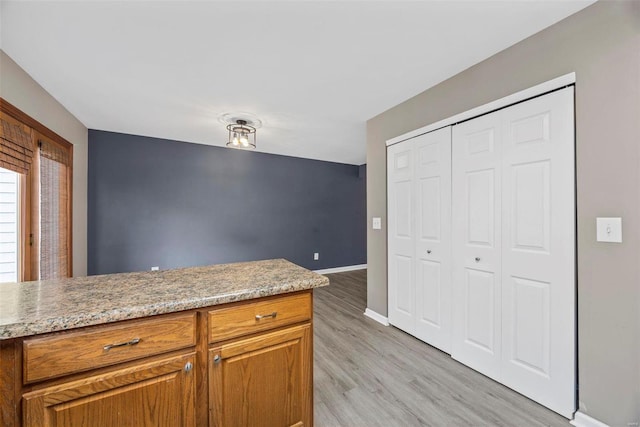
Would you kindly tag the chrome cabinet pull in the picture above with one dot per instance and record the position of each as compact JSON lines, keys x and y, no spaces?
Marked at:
{"x":122,"y":344}
{"x":428,"y":251}
{"x":188,"y":367}
{"x":216,"y":359}
{"x":264,"y":316}
{"x":477,"y":259}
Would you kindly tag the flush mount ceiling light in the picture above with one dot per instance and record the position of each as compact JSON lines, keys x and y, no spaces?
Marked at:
{"x":241,"y":135}
{"x":242,"y":127}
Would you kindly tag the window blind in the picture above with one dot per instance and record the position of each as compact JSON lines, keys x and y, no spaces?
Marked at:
{"x":54,"y":163}
{"x":16,"y":145}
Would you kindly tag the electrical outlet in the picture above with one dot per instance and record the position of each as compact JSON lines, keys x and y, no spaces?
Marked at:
{"x":316,"y":256}
{"x":377,"y":223}
{"x":156,"y":268}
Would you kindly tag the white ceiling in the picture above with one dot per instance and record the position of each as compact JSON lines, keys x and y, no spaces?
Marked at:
{"x":312,"y":71}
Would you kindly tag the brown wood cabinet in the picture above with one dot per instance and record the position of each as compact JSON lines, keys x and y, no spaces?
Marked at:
{"x":262,"y":381}
{"x":260,"y":363}
{"x":150,"y":394}
{"x":248,"y":363}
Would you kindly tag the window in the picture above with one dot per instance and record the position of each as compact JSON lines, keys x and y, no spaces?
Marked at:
{"x":35,"y":199}
{"x":9,"y":230}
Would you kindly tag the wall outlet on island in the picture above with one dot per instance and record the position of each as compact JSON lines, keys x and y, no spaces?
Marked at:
{"x":155,"y":268}
{"x":316,"y":256}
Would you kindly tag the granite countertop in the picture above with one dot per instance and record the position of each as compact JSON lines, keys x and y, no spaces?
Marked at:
{"x":31,"y":308}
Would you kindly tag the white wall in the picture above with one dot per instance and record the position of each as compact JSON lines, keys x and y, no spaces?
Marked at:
{"x":19,"y":89}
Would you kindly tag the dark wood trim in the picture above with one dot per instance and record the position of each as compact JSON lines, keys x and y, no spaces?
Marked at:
{"x":27,"y":272}
{"x":33,"y":177}
{"x":311,"y":340}
{"x":18,"y":114}
{"x":10,"y":384}
{"x":202,"y":368}
{"x":70,"y":213}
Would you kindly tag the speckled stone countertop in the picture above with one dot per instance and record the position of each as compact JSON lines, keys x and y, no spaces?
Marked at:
{"x":31,"y":308}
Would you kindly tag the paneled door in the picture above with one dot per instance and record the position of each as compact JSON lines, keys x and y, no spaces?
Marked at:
{"x":262,"y":381}
{"x":538,"y":250}
{"x":401,"y":235}
{"x":432,"y":154}
{"x":476,"y":180}
{"x":160,"y":393}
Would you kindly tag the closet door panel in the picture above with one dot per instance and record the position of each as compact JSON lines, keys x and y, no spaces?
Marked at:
{"x":480,"y":310}
{"x":429,"y":294}
{"x":538,"y":240}
{"x":401,"y":236}
{"x":476,"y":339}
{"x":433,"y":238}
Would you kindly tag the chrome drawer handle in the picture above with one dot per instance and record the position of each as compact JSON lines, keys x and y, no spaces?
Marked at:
{"x":264,"y":316}
{"x":122,"y":344}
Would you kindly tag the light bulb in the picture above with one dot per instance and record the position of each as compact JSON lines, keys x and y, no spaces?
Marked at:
{"x":244,"y":140}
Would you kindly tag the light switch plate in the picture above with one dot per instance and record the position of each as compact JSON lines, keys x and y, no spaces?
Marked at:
{"x":609,"y":230}
{"x":377,"y":223}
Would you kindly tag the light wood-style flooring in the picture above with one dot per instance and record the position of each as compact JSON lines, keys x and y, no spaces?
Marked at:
{"x":369,"y":375}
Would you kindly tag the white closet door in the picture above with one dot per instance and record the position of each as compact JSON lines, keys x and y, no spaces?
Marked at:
{"x":476,"y":244}
{"x":538,"y":246}
{"x":433,"y":238}
{"x":401,"y":236}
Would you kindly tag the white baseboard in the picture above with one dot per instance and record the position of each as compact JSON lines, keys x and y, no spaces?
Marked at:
{"x":376,"y":316}
{"x":341,"y":269}
{"x":580,"y":419}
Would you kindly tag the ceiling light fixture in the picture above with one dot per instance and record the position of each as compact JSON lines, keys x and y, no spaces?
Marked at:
{"x":241,"y":135}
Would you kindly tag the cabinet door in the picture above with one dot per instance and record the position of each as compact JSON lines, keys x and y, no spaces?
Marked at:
{"x":433,"y":238}
{"x":476,"y":242}
{"x":400,"y":211}
{"x":159,"y":393}
{"x":263,"y":381}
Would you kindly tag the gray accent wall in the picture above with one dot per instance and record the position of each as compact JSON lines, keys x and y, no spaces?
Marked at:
{"x":157,"y":202}
{"x":601,"y":44}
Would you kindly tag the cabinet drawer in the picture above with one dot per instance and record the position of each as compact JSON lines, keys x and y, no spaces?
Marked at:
{"x":238,"y":320}
{"x":58,"y":355}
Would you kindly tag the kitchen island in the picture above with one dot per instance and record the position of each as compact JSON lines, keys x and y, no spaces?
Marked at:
{"x":220,"y":345}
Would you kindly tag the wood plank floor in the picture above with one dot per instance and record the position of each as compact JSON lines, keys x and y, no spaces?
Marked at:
{"x":369,"y":375}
